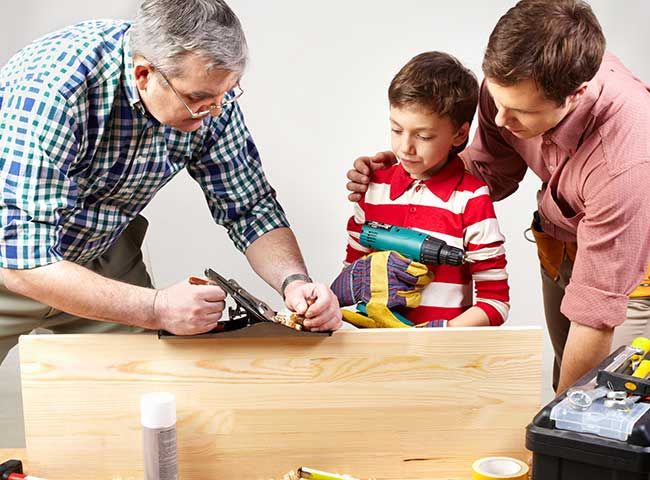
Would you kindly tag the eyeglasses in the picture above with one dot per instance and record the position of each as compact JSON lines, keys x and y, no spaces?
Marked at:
{"x":238,"y":92}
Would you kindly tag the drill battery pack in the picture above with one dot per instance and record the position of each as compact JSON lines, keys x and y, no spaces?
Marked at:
{"x":600,"y":442}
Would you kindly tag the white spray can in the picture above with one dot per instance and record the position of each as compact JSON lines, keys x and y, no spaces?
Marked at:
{"x":158,"y":418}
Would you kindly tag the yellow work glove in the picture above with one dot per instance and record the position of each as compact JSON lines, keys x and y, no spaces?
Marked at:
{"x":382,"y":319}
{"x":392,"y":280}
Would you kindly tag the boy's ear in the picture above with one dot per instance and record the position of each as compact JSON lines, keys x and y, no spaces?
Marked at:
{"x":461,"y":135}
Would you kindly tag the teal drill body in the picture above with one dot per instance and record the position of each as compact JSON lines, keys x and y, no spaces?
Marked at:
{"x":410,"y":243}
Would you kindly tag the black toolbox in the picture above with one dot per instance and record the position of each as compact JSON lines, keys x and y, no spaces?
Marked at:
{"x":560,"y":454}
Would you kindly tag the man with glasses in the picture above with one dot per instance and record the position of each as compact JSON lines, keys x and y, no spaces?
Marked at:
{"x":94,"y":120}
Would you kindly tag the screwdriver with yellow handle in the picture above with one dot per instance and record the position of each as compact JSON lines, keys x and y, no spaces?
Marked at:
{"x":643,"y":370}
{"x":640,"y":366}
{"x":642,"y":343}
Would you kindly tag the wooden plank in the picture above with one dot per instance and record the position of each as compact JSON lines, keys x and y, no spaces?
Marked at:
{"x":389,"y":404}
{"x":13,"y":453}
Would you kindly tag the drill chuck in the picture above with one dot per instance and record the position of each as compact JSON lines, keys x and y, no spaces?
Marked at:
{"x":437,"y":252}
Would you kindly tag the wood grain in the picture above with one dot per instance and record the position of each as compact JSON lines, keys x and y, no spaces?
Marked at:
{"x":388,"y":404}
{"x":13,"y":454}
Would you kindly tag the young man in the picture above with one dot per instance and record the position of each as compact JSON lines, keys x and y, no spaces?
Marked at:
{"x":432,"y":103}
{"x":555,"y":102}
{"x":94,"y":120}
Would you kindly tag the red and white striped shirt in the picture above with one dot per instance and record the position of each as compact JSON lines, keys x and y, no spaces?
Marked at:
{"x":453,"y":206}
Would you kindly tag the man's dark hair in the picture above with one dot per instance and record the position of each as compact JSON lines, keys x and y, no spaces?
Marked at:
{"x":557,"y":43}
{"x":438,"y":82}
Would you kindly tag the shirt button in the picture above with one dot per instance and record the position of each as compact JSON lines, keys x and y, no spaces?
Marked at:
{"x":547,"y":142}
{"x":551,"y":168}
{"x":412,"y":209}
{"x":418,"y":188}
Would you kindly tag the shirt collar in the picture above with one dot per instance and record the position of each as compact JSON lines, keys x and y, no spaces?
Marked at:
{"x":568,"y":132}
{"x":130,"y":87}
{"x":442,"y":184}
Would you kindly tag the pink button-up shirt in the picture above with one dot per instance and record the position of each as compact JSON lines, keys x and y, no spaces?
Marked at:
{"x":595,"y":169}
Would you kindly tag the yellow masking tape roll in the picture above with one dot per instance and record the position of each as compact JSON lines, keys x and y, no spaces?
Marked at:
{"x":490,"y":468}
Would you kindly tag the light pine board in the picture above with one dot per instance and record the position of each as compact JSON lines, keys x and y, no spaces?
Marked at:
{"x":388,"y":404}
{"x":14,"y":453}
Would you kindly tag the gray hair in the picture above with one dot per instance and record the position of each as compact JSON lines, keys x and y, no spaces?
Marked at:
{"x":165,"y":31}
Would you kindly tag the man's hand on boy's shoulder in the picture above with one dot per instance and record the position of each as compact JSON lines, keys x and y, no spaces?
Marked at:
{"x":359,"y":176}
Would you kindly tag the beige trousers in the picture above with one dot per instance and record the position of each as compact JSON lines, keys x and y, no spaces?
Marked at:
{"x":636,"y":325}
{"x":123,"y":261}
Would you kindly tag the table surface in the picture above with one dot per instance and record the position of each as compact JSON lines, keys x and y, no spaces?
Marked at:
{"x":21,"y":454}
{"x":345,"y":388}
{"x":13,"y":454}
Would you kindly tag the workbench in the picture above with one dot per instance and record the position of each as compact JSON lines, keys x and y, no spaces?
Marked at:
{"x":9,"y":453}
{"x":417,"y":404}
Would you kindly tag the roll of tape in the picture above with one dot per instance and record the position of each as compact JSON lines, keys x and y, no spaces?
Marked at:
{"x":489,"y":468}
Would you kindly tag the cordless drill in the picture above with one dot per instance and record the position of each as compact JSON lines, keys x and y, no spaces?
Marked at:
{"x":412,"y":244}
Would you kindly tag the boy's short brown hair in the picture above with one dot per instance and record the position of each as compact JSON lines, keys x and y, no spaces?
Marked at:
{"x":557,"y":43}
{"x":439,"y":82}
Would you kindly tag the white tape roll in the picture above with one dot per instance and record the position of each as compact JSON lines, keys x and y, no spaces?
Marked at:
{"x":490,"y":468}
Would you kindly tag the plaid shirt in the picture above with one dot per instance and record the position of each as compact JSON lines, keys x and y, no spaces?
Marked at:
{"x":80,"y":158}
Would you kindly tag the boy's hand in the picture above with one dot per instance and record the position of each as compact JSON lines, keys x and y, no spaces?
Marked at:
{"x":386,"y":276}
{"x":359,"y":176}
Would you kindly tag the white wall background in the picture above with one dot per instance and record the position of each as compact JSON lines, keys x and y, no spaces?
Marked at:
{"x":315,"y":100}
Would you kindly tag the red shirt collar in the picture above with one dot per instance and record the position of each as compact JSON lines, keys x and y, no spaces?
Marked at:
{"x":442,"y":184}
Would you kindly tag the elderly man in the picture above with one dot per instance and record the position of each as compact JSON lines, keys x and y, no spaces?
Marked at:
{"x":554,"y":101}
{"x":94,"y":120}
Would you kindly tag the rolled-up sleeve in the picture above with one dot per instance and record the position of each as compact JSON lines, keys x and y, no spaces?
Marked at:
{"x":613,"y":246}
{"x":230,"y":173}
{"x":37,"y":146}
{"x":489,"y":157}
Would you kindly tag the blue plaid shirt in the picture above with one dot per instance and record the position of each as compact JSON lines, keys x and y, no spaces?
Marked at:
{"x":79,"y":157}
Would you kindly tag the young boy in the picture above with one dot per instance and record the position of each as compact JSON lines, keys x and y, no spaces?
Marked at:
{"x":433,"y":99}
